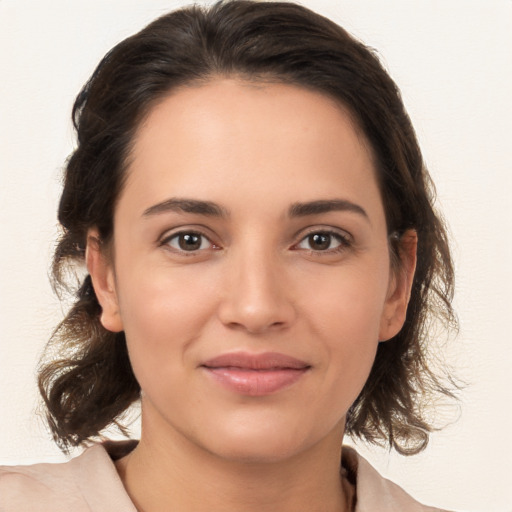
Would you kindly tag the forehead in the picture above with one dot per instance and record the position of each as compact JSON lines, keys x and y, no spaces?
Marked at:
{"x":224,"y":106}
{"x":256,"y":138}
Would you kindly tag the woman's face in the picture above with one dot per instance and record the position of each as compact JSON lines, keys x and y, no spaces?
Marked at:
{"x":250,"y":269}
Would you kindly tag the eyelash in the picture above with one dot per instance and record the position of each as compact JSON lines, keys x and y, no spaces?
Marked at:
{"x":166,"y":242}
{"x":345,"y":242}
{"x":344,"y":239}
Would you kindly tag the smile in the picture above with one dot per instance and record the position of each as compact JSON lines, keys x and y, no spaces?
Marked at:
{"x":255,"y":374}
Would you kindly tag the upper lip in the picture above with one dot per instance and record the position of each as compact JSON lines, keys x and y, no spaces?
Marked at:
{"x":264,"y":361}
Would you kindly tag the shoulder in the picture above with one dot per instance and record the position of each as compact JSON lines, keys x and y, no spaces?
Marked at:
{"x":38,"y":486}
{"x":376,"y":493}
{"x":87,"y":483}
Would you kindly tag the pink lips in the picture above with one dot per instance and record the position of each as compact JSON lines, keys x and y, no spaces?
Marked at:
{"x":255,"y":374}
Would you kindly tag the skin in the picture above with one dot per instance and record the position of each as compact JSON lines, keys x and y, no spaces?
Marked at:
{"x":258,"y":282}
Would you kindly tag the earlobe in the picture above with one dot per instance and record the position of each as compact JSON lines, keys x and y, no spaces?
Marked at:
{"x":399,"y":292}
{"x":102,"y":274}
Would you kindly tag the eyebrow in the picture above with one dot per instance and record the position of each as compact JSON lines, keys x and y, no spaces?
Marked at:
{"x":212,"y":209}
{"x":187,"y":206}
{"x":325,"y":206}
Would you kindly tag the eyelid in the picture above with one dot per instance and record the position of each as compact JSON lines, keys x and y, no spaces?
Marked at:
{"x":345,"y":238}
{"x":330,"y":230}
{"x":164,"y":239}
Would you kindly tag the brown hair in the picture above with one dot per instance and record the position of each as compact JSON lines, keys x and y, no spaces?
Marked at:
{"x":88,"y":382}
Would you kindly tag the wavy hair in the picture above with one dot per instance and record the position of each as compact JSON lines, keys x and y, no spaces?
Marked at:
{"x":86,"y":380}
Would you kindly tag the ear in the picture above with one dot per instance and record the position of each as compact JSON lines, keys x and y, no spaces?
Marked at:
{"x":400,"y":285}
{"x":101,"y":271}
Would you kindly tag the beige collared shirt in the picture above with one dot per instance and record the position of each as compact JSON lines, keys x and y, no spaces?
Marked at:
{"x":90,"y":483}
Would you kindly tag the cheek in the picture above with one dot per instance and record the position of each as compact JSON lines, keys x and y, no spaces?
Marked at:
{"x":163,"y":312}
{"x":345,"y":318}
{"x":349,"y":301}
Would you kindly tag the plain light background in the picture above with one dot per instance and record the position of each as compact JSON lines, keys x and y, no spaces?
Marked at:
{"x":452,"y":60}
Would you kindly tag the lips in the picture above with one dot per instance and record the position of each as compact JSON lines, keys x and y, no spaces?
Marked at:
{"x":255,"y":374}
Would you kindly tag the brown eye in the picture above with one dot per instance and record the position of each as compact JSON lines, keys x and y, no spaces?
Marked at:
{"x":188,"y":242}
{"x":323,"y":241}
{"x":320,"y":241}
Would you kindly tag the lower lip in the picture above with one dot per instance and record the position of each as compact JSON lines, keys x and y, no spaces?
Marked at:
{"x":256,"y":382}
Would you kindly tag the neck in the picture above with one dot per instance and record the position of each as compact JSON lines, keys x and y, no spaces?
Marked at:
{"x":171,"y":473}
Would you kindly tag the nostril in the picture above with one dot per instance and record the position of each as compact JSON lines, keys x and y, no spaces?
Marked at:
{"x":253,"y":324}
{"x":254,"y":328}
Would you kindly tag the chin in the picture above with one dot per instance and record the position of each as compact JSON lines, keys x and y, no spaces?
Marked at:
{"x":259,"y":442}
{"x":261,"y":451}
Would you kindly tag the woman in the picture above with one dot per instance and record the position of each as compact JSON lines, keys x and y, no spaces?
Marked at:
{"x":262,"y":257}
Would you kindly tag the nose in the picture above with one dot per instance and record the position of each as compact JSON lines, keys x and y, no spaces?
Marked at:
{"x":256,"y":298}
